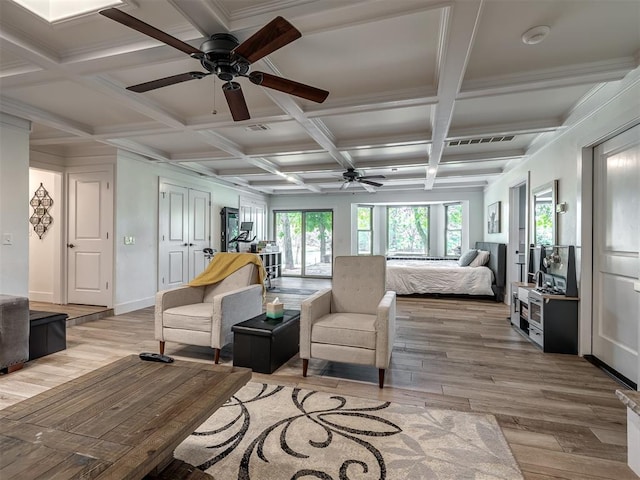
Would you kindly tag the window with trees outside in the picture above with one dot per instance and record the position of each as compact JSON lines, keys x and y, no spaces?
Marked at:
{"x":453,"y":229}
{"x":365,"y":230}
{"x":408,"y":230}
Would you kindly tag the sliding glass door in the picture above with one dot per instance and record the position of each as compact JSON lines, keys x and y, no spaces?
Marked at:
{"x":305,"y":238}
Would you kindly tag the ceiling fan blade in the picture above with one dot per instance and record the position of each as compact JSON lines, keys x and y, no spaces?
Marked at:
{"x":373,"y":176}
{"x":132,"y":22}
{"x":369,"y":182}
{"x":165,"y":82}
{"x":289,"y":86}
{"x":345,"y":185}
{"x":274,"y":35}
{"x":235,"y":99}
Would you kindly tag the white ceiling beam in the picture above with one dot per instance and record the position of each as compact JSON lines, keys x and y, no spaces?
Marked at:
{"x":464,"y":18}
{"x":514,"y":128}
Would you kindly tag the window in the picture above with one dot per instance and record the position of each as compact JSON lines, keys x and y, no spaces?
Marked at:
{"x":365,"y":230}
{"x":453,"y":229}
{"x":408,"y":230}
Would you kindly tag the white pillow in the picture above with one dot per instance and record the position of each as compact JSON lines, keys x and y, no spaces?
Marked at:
{"x":481,"y":259}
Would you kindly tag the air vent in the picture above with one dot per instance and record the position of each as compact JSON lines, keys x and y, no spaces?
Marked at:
{"x":258,"y":127}
{"x":474,"y":141}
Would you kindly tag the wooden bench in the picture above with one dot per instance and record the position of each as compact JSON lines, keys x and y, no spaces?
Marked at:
{"x":121,"y":421}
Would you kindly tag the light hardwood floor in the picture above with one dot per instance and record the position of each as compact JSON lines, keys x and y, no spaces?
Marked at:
{"x":559,"y":413}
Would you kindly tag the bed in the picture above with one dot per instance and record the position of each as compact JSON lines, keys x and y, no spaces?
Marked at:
{"x":410,"y":276}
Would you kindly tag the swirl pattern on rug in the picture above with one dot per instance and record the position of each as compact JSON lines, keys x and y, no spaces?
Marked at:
{"x":269,"y":432}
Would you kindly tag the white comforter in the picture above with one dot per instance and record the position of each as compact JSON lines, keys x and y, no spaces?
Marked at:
{"x":437,"y":276}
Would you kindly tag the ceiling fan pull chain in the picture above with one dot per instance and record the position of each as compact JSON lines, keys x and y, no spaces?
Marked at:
{"x":214,"y":112}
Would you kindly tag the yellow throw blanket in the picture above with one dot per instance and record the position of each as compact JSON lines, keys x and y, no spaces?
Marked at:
{"x":224,"y":264}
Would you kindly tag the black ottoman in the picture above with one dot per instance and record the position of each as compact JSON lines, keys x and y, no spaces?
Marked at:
{"x":263,"y":344}
{"x":47,"y":333}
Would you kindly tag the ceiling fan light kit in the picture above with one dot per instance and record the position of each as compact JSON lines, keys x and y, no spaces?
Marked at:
{"x":223,"y":56}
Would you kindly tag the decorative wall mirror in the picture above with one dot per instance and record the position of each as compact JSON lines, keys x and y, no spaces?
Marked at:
{"x":544,"y":213}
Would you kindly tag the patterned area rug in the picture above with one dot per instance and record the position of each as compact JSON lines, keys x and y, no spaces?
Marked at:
{"x":269,"y":432}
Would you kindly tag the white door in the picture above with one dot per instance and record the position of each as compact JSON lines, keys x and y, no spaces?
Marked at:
{"x":174,"y":236}
{"x":199,"y":233}
{"x":184,"y":232}
{"x":616,"y":264}
{"x":90,"y":243}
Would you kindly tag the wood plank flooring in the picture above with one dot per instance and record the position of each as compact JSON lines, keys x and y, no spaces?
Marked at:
{"x":559,"y":413}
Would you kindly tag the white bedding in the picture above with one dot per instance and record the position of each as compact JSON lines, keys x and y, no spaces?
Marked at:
{"x":437,"y":276}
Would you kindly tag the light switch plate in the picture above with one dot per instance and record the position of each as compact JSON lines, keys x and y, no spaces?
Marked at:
{"x":129,"y":240}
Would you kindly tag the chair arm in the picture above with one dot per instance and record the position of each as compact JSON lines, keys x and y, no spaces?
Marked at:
{"x":312,"y":309}
{"x":234,"y":307}
{"x":177,"y":297}
{"x":386,"y":329}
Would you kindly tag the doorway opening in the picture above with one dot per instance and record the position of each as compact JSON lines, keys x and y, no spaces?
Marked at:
{"x":305,"y":238}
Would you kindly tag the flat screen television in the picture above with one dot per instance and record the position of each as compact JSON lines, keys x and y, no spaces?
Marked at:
{"x":246,"y":226}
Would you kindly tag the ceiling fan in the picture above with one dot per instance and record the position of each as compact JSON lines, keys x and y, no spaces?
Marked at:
{"x":351,"y":175}
{"x":223,"y":56}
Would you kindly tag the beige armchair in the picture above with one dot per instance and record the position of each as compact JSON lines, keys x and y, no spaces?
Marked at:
{"x":204,"y":315}
{"x":354,"y":320}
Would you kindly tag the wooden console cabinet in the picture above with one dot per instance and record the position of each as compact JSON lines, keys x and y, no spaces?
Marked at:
{"x":548,"y":321}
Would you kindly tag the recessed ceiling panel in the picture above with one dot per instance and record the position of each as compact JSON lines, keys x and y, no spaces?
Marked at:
{"x":277,"y":133}
{"x":396,"y":152}
{"x":300,"y":159}
{"x":499,"y":50}
{"x":381,"y":123}
{"x":178,"y":143}
{"x":386,"y":55}
{"x":78,"y":103}
{"x":517,"y":107}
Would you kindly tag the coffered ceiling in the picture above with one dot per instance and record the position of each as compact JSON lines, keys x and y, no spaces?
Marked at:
{"x":431,"y":94}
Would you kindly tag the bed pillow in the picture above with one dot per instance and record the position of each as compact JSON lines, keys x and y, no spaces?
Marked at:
{"x":481,"y":259}
{"x":467,"y":258}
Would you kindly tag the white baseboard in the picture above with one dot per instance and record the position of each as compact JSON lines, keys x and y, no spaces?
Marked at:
{"x":41,"y":296}
{"x":127,"y":307}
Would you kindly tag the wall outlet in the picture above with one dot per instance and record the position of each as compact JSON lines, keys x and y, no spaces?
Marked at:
{"x":129,"y":240}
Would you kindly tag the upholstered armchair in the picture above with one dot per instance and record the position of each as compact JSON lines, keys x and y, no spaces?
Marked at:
{"x":204,"y":315}
{"x":14,"y":332}
{"x":354,"y":320}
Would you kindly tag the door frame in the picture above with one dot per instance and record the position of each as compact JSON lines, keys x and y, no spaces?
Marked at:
{"x":584,"y":234}
{"x":110,"y":169}
{"x":513,"y":274}
{"x":303,"y":233}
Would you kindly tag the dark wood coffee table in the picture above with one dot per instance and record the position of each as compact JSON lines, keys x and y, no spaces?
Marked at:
{"x":264,"y":344}
{"x":121,"y":421}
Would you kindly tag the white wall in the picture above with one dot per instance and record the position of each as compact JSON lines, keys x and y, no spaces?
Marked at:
{"x":344,"y":242}
{"x":611,"y":109}
{"x":14,"y":205}
{"x":136,"y":266}
{"x":45,"y":252}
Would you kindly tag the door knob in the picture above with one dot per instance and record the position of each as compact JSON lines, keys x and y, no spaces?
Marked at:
{"x":70,"y":245}
{"x":185,"y":244}
{"x":191,"y":244}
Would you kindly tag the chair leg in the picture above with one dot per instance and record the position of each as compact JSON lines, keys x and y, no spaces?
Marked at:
{"x":216,"y":357}
{"x":381,"y":377}
{"x":161,"y":348}
{"x":305,"y":365}
{"x":15,"y":367}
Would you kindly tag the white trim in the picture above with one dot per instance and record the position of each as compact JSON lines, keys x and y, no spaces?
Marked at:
{"x":134,"y":305}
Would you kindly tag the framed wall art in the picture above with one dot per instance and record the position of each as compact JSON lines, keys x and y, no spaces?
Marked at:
{"x":493,"y":215}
